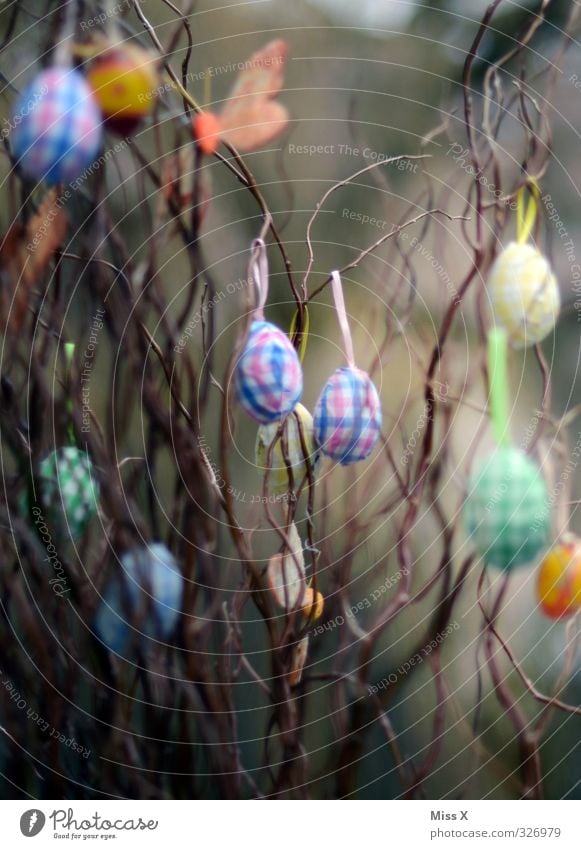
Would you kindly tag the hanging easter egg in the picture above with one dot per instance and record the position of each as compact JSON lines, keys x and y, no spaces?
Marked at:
{"x":57,"y":127}
{"x":124,"y":81}
{"x":285,"y":573}
{"x":143,"y":599}
{"x":295,"y":456}
{"x":67,"y":491}
{"x":347,"y":416}
{"x":524,"y":294}
{"x":507,"y":511}
{"x":559,"y":580}
{"x":268,"y":376}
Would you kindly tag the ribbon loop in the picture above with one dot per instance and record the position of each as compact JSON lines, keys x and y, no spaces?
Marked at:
{"x":304,"y":334}
{"x":259,"y":263}
{"x":342,"y":316}
{"x":498,"y":384}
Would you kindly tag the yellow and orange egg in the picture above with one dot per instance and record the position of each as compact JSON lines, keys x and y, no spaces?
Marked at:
{"x":559,"y":580}
{"x":124,"y":81}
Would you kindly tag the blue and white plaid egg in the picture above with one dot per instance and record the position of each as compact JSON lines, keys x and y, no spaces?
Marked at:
{"x":347,"y":416}
{"x":268,"y":376}
{"x":142,"y":601}
{"x":57,"y":126}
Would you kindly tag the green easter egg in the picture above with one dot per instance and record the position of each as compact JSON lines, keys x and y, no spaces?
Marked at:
{"x":67,"y":491}
{"x":507,"y":511}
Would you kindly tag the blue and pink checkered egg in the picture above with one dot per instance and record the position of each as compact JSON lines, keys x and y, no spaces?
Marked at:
{"x":347,"y":416}
{"x":57,"y":126}
{"x":268,"y":376}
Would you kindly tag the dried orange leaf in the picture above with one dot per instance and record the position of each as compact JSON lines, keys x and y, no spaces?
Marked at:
{"x":46,"y":232}
{"x":263,"y":75}
{"x":251,"y":117}
{"x":25,"y":255}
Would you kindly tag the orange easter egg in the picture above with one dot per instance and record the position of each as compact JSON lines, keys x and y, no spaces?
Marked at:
{"x":124,"y":81}
{"x":559,"y":580}
{"x":207,"y":128}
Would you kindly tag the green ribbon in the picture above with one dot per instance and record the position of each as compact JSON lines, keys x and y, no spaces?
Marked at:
{"x":498,"y":383}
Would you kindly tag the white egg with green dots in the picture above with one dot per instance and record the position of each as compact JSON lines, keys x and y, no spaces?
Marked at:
{"x":67,"y":491}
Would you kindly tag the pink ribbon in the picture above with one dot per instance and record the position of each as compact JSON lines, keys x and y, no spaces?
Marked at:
{"x":260,"y":275}
{"x":342,"y":316}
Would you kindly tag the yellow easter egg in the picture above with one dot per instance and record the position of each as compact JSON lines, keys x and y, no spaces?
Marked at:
{"x":524,"y":294}
{"x":124,"y":81}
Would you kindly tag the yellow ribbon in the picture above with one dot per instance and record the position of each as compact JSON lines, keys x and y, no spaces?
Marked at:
{"x":525,"y":220}
{"x":304,"y":340}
